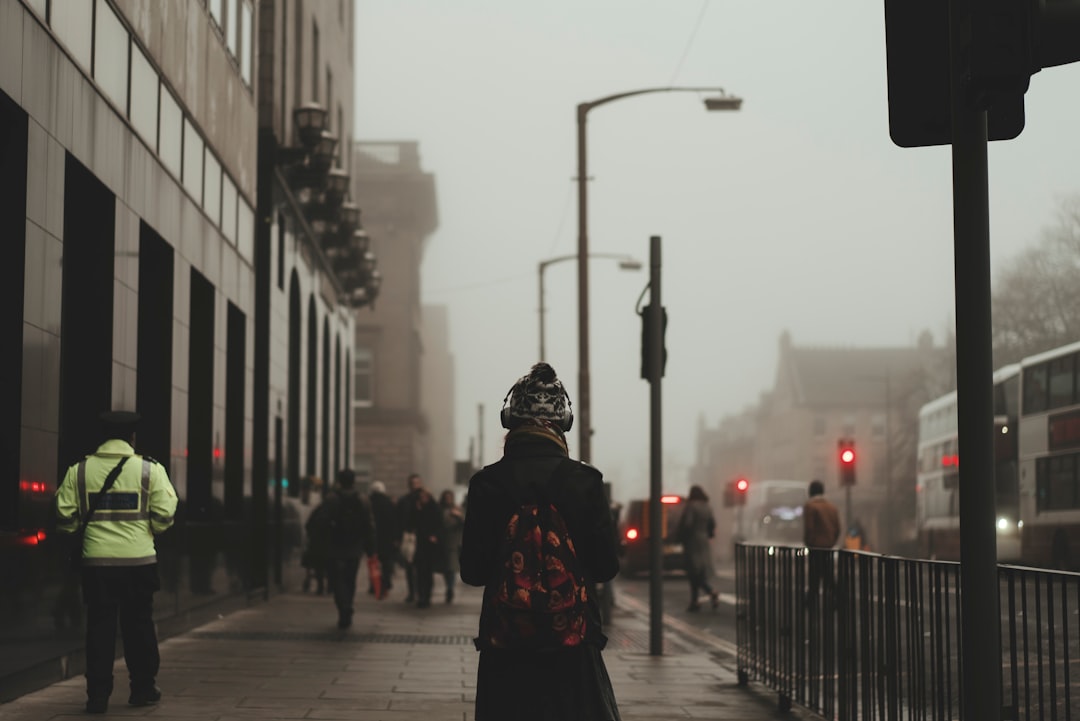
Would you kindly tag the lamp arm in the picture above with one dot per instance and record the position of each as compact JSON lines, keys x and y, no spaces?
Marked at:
{"x":586,"y":107}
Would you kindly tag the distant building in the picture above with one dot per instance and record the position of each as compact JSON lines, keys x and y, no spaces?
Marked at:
{"x":822,"y":395}
{"x":391,"y":436}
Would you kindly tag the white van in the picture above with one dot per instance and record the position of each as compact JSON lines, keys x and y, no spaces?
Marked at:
{"x":772,"y":513}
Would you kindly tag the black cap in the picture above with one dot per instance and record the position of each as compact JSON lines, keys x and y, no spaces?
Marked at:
{"x":119,"y":424}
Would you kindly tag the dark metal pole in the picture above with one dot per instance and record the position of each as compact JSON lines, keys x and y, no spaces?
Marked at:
{"x":541,"y":271}
{"x":655,"y":350}
{"x":584,"y":410}
{"x":981,"y":651}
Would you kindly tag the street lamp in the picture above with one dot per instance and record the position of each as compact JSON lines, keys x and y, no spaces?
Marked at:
{"x":626,"y":262}
{"x":721,"y":101}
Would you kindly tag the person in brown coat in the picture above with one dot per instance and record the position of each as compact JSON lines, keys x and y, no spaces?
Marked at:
{"x":821,"y":531}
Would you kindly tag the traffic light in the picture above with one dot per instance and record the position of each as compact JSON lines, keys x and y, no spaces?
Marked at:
{"x":647,"y":340}
{"x":1005,"y":43}
{"x":847,"y":460}
{"x":735,"y":492}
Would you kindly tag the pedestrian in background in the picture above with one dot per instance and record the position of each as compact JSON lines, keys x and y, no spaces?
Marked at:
{"x":316,"y":552}
{"x":387,"y":531}
{"x":119,"y":560}
{"x":428,"y":520}
{"x":821,"y":531}
{"x":351,"y":532}
{"x":565,"y":680}
{"x":407,"y":539}
{"x":695,"y":530}
{"x":453,"y":523}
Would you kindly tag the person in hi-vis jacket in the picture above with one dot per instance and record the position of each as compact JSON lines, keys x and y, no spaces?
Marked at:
{"x":119,"y":561}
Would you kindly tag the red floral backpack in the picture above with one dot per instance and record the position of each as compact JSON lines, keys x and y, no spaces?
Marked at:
{"x":539,"y":599}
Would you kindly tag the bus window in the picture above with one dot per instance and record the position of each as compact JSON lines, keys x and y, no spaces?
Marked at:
{"x":1062,"y":375}
{"x":1035,"y":389}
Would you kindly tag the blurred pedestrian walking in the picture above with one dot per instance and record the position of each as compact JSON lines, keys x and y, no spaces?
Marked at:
{"x":406,"y":542}
{"x":695,"y":531}
{"x":428,"y":520}
{"x":453,"y":523}
{"x":387,"y":531}
{"x":351,"y":532}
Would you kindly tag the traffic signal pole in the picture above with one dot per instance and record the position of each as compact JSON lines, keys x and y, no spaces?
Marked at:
{"x":981,"y":651}
{"x":655,"y":311}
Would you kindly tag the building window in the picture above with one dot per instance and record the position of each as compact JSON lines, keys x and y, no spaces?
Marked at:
{"x":246,"y":42}
{"x":75,"y":27}
{"x":212,"y":188}
{"x":245,"y":231}
{"x":217,"y":12}
{"x":144,"y":97}
{"x":364,"y":378}
{"x":232,"y":26}
{"x":170,"y":133}
{"x":193,"y":162}
{"x":228,"y":209}
{"x":111,"y":56}
{"x":40,"y":7}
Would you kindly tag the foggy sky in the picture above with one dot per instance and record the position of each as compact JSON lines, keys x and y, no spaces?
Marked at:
{"x":795,"y":213}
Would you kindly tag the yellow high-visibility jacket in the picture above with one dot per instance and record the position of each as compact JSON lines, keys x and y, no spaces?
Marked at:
{"x":141,"y":503}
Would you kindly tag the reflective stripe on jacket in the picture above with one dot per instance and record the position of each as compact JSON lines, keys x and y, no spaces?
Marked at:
{"x":141,"y":503}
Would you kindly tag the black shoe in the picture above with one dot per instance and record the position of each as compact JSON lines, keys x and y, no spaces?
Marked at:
{"x":147,"y":697}
{"x":344,"y":619}
{"x":97,"y":705}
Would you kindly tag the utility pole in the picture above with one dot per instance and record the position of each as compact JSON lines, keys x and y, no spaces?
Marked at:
{"x":655,"y":318}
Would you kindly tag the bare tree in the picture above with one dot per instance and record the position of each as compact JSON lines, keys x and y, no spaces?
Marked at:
{"x":1036,"y":298}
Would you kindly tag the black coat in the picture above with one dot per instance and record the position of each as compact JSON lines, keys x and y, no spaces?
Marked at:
{"x":387,"y":524}
{"x":519,"y":684}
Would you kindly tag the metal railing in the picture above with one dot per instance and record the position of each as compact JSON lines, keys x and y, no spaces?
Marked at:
{"x":852,"y":635}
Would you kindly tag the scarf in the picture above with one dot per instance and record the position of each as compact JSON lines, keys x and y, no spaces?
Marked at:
{"x":534,"y":430}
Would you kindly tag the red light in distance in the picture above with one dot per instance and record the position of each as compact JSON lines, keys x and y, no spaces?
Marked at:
{"x":631,"y":534}
{"x":847,"y":456}
{"x":670,"y":499}
{"x":742,"y":485}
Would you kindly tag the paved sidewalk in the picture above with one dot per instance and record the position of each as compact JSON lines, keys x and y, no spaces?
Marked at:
{"x":285,"y":659}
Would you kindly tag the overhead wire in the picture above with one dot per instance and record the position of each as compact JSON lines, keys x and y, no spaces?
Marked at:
{"x":690,"y":41}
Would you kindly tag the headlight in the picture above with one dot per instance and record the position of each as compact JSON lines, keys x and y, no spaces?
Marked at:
{"x":1003,"y":524}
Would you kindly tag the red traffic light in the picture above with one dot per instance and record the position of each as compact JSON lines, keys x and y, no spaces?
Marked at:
{"x":847,"y":456}
{"x":742,"y":485}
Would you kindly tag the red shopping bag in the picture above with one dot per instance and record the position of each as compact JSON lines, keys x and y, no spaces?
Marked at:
{"x":375,"y":574}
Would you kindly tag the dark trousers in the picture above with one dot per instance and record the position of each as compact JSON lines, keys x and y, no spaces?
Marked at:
{"x":125,"y":594}
{"x":698,"y":583}
{"x":424,"y":567}
{"x":342,"y":577}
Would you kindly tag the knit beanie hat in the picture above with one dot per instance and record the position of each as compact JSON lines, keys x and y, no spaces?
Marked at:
{"x":539,"y":395}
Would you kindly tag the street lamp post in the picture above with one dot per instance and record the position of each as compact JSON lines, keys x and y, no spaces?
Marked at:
{"x":584,"y":416}
{"x":626,"y":262}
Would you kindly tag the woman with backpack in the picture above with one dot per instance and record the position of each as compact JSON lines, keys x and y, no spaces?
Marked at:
{"x":538,"y":536}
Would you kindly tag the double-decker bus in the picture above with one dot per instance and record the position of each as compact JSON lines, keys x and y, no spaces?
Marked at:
{"x":1049,"y":453}
{"x":937,"y":479}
